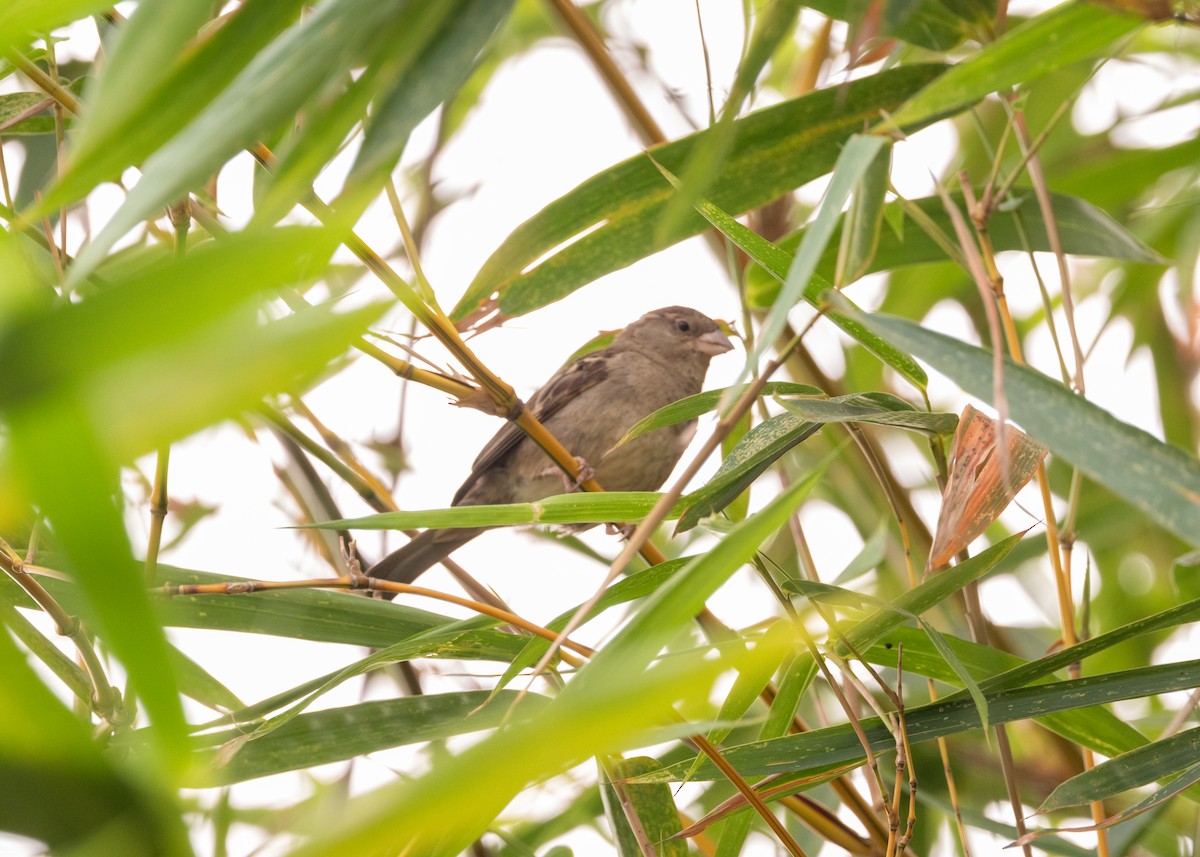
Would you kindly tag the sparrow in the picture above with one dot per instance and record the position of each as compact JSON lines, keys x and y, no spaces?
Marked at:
{"x":589,"y":404}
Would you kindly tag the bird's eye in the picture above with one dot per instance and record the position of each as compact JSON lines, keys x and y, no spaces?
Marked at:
{"x":683,"y":325}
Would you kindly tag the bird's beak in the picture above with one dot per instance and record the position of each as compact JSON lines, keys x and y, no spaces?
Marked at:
{"x":713,"y":343}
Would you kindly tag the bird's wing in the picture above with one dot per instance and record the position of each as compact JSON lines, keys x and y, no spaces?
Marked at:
{"x":568,"y":383}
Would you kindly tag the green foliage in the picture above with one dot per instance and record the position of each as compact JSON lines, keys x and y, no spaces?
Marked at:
{"x":211,"y":298}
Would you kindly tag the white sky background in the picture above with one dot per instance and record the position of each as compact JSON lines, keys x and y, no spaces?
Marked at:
{"x":518,"y":155}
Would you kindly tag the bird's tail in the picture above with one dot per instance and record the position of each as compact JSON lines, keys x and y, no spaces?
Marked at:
{"x":426,"y":550}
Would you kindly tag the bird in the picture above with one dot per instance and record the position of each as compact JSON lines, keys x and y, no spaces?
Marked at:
{"x":589,"y":404}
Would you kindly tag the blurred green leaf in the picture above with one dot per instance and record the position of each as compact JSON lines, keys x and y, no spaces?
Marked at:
{"x":268,"y":91}
{"x":609,"y":221}
{"x":134,"y":110}
{"x":874,"y":551}
{"x":447,"y":808}
{"x":23,"y":20}
{"x":445,"y":62}
{"x":776,"y":23}
{"x":675,"y":604}
{"x":17,"y":107}
{"x":148,"y":41}
{"x":930,"y":24}
{"x":62,"y":789}
{"x":176,"y":347}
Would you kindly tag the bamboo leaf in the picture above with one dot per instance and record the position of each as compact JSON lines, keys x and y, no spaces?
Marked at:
{"x":1155,"y":761}
{"x":1077,"y":31}
{"x":863,"y":219}
{"x":63,"y":789}
{"x":1084,"y":229}
{"x":781,"y":266}
{"x":577,"y":508}
{"x":823,"y":749}
{"x":337,"y":734}
{"x":312,"y":614}
{"x":654,"y":805}
{"x":443,"y":811}
{"x":930,"y":24}
{"x":1161,"y":480}
{"x":21,"y":19}
{"x":609,"y":221}
{"x":131,"y":115}
{"x":702,"y":403}
{"x":877,"y":408}
{"x":275,"y":83}
{"x":759,"y":449}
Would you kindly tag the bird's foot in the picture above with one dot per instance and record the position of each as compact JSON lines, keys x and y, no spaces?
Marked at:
{"x":625,"y":531}
{"x":584,"y":472}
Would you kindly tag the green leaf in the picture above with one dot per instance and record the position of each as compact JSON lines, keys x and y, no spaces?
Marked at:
{"x":310,"y":614}
{"x":420,"y":62}
{"x":442,"y":812}
{"x":826,"y":592}
{"x":199,"y":684}
{"x":781,"y":265}
{"x":1093,"y":728}
{"x":1054,"y":39}
{"x":177,"y":346}
{"x":20,"y":20}
{"x":1155,"y":761}
{"x":759,"y":449}
{"x":1096,"y":728}
{"x":930,"y":24}
{"x":747,"y":688}
{"x":929,"y":593}
{"x":676,"y":604}
{"x":1185,"y":780}
{"x":631,"y":588}
{"x":691,"y":407}
{"x":823,"y":749}
{"x":1161,"y":480}
{"x":337,"y":734}
{"x":149,"y":108}
{"x":653,"y":804}
{"x":271,"y":88}
{"x":17,"y":107}
{"x":444,"y":64}
{"x":58,"y":461}
{"x":577,"y":508}
{"x":61,"y":788}
{"x":1085,"y":231}
{"x":776,"y":24}
{"x":609,"y":221}
{"x":873,"y":553}
{"x":148,"y":41}
{"x":863,"y":219}
{"x":878,"y":408}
